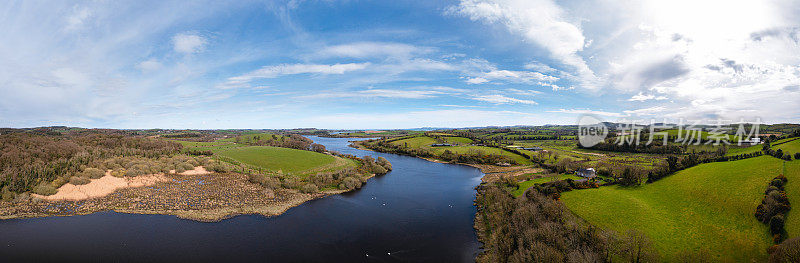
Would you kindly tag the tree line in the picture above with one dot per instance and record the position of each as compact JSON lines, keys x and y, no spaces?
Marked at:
{"x":27,"y":160}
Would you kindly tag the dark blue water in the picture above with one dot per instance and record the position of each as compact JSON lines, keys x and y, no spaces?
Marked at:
{"x":421,"y":211}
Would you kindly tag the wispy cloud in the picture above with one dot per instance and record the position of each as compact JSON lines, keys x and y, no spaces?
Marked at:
{"x":376,"y":93}
{"x":269,"y":72}
{"x":500,"y":99}
{"x":372,"y":50}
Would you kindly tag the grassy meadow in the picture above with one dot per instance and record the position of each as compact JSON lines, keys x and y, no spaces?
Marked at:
{"x":791,"y":147}
{"x":461,"y":146}
{"x":792,"y":188}
{"x":527,"y":184}
{"x":277,"y":159}
{"x":284,"y":159}
{"x":707,"y":207}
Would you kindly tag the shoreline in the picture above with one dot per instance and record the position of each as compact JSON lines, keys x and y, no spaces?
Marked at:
{"x":232,"y":195}
{"x":203,"y":215}
{"x":490,"y":172}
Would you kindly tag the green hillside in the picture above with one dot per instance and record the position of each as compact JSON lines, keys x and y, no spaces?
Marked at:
{"x":709,"y":207}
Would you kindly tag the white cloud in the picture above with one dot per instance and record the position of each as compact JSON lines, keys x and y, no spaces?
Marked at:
{"x":477,"y":80}
{"x":540,"y":21}
{"x":646,"y":111}
{"x":268,"y":72}
{"x":643,"y":97}
{"x":500,"y":99}
{"x":78,"y":17}
{"x":149,"y":65}
{"x":371,"y":50}
{"x":377,"y":93}
{"x":712,"y":63}
{"x":427,"y":118}
{"x":188,"y":43}
{"x":491,"y":73}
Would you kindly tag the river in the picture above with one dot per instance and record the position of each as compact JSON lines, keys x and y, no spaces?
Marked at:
{"x":421,"y":212}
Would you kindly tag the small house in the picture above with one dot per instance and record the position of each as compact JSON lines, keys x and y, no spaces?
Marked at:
{"x":440,"y":144}
{"x":586,"y":173}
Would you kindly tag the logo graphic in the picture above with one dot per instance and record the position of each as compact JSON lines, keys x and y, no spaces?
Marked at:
{"x":591,"y":131}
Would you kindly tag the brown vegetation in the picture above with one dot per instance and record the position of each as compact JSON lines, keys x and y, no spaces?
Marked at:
{"x":537,"y":228}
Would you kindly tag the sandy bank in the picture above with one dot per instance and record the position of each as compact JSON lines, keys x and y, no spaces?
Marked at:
{"x":109,"y":184}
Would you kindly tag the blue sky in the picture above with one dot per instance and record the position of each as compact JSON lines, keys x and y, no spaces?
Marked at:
{"x":395,"y":64}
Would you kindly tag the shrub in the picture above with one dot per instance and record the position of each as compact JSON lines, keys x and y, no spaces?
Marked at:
{"x":309,"y":188}
{"x":45,"y":188}
{"x":776,"y":224}
{"x":376,"y":169}
{"x":187,"y":166}
{"x":179,"y":169}
{"x":134,"y":172}
{"x":92,"y":173}
{"x":61,"y":180}
{"x":788,"y":251}
{"x":318,"y":147}
{"x":773,"y":208}
{"x":6,"y":194}
{"x":118,"y":172}
{"x":385,"y":163}
{"x":264,"y":180}
{"x":797,"y":156}
{"x":350,"y":183}
{"x":290,"y":183}
{"x":217,"y":167}
{"x":79,"y":180}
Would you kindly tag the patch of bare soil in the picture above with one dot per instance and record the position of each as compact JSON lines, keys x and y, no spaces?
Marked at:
{"x":108,"y":184}
{"x":203,"y":197}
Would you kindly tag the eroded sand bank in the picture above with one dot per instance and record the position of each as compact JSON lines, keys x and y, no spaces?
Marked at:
{"x":108,"y":184}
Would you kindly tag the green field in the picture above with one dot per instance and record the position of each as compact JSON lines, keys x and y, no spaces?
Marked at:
{"x":791,"y":147}
{"x":208,"y":146}
{"x":483,"y":150}
{"x":709,"y":207}
{"x":694,"y":134}
{"x":527,"y":184}
{"x":275,"y":159}
{"x":250,"y":138}
{"x":461,"y":146}
{"x":285,"y":160}
{"x":793,"y":192}
{"x":425,"y":141}
{"x":415,"y":142}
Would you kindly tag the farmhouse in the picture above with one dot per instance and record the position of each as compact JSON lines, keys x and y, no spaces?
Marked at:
{"x":440,"y":144}
{"x":586,"y":173}
{"x":534,"y":148}
{"x":755,"y":140}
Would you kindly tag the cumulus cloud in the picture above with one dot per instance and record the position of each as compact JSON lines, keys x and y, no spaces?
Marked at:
{"x":646,"y":111}
{"x":188,"y":43}
{"x":643,"y":97}
{"x":540,"y":21}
